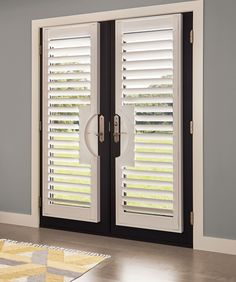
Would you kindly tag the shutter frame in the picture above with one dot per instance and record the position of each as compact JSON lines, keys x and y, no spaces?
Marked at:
{"x":132,"y":78}
{"x":71,"y":189}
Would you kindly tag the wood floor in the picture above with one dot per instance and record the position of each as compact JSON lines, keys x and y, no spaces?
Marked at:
{"x":134,"y":261}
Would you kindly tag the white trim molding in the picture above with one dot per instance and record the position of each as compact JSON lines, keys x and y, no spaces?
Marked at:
{"x":19,"y":219}
{"x":218,"y":245}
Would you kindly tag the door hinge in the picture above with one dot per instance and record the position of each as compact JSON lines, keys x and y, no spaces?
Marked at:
{"x":191,"y":36}
{"x":40,"y":202}
{"x":191,"y":127}
{"x":40,"y":126}
{"x":191,"y":218}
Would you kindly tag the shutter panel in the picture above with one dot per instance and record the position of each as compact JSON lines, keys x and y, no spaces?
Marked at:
{"x":148,"y":76}
{"x":70,"y":89}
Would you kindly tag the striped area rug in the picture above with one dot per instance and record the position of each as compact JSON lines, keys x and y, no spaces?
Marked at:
{"x":20,"y":262}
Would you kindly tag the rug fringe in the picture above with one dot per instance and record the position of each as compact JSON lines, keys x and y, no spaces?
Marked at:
{"x":55,"y":248}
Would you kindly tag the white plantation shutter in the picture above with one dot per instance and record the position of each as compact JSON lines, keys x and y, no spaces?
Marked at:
{"x":148,"y":100}
{"x":70,"y":103}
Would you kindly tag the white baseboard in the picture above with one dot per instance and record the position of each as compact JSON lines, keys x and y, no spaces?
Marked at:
{"x":19,"y":219}
{"x":203,"y":243}
{"x":218,"y":245}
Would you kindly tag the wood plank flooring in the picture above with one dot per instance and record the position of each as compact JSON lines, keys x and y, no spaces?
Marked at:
{"x":134,"y":261}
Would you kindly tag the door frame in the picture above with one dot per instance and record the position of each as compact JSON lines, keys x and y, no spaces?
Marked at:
{"x":196,"y":7}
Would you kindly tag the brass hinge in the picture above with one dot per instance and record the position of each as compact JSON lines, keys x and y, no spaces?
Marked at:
{"x":191,"y":127}
{"x":40,"y":202}
{"x":191,"y":218}
{"x":191,"y":37}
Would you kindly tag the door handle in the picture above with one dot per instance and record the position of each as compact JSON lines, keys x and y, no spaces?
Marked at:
{"x":101,"y":129}
{"x":116,"y":130}
{"x":124,"y":133}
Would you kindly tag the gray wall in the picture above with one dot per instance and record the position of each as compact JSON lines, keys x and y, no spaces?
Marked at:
{"x":219,"y":119}
{"x":219,"y":102}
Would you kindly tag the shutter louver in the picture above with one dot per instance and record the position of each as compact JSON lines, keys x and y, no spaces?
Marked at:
{"x":68,"y":86}
{"x":67,"y":56}
{"x":157,"y":93}
{"x":146,"y":59}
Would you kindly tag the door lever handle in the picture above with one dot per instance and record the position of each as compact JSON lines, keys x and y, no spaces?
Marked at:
{"x":116,"y":131}
{"x":101,"y":129}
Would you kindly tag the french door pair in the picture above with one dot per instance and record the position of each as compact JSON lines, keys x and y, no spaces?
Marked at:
{"x":116,"y":114}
